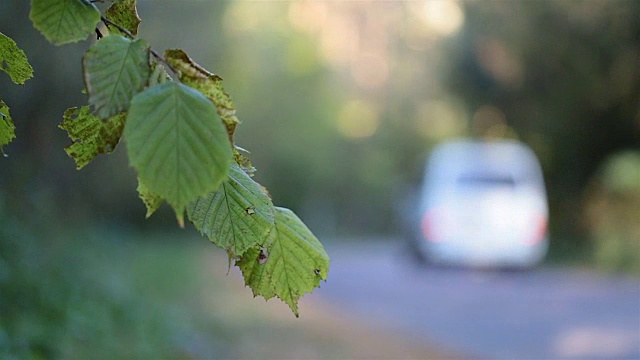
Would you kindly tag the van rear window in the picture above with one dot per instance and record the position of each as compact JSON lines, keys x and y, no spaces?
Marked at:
{"x":486,"y":180}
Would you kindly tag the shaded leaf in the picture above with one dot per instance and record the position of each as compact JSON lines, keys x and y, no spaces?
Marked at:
{"x":235,"y":217}
{"x":196,"y":76}
{"x":64,"y":21}
{"x":13,"y":61}
{"x":125,"y":14}
{"x":115,"y":69}
{"x":292,"y":266}
{"x":91,"y":135}
{"x":177,"y":144}
{"x":7,"y":128}
{"x":151,"y":201}
{"x":158,"y":75}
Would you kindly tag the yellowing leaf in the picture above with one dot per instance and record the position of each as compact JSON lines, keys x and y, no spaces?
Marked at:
{"x":237,"y":216}
{"x":125,"y":14}
{"x":292,"y":266}
{"x":115,"y":69}
{"x":91,"y":135}
{"x":64,"y":21}
{"x":151,"y":201}
{"x":243,"y":161}
{"x":7,"y":129}
{"x":196,"y":76}
{"x":13,"y":61}
{"x":177,"y":144}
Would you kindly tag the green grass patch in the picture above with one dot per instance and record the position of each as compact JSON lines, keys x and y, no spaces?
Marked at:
{"x":108,"y":293}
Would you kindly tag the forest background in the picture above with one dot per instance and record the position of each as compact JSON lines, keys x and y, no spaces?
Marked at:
{"x":341,"y":103}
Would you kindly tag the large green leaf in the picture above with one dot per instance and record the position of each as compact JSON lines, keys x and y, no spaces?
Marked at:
{"x":177,"y":144}
{"x":115,"y":69}
{"x":125,"y":14}
{"x":13,"y":61}
{"x":91,"y":135}
{"x":292,"y":266}
{"x":7,"y":129}
{"x":64,"y":21}
{"x":237,"y":216}
{"x":209,"y":84}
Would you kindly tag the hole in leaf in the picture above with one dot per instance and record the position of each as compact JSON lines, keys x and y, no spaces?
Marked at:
{"x":262,"y":258}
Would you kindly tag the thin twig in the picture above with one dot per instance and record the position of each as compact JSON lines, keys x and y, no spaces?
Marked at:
{"x":117,"y":26}
{"x":155,"y":54}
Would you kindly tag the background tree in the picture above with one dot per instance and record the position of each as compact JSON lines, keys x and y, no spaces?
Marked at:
{"x":179,"y":125}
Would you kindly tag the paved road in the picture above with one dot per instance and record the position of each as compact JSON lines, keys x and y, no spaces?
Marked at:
{"x":540,"y":314}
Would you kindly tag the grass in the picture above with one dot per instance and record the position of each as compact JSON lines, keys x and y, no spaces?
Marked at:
{"x":117,"y":294}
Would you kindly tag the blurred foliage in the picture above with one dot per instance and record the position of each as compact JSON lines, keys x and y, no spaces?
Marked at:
{"x":92,"y":296}
{"x":113,"y":293}
{"x":566,"y":76}
{"x":341,"y":101}
{"x":613,"y":212}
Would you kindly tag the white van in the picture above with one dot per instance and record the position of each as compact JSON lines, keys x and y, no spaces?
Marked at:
{"x":482,"y":204}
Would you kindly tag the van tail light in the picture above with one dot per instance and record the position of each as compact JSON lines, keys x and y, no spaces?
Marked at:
{"x":540,"y":232}
{"x":428,"y":225}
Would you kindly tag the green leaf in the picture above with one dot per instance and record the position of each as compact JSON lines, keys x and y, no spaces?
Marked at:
{"x":13,"y":61}
{"x":292,"y":266}
{"x":257,"y":275}
{"x":91,"y":135}
{"x":151,"y":201}
{"x":177,"y":144}
{"x":7,"y":129}
{"x":158,"y":75}
{"x":115,"y":69}
{"x":64,"y":21}
{"x":237,"y":216}
{"x":125,"y":14}
{"x":196,"y":76}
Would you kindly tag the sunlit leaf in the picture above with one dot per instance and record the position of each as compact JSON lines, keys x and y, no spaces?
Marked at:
{"x":7,"y":129}
{"x":115,"y":69}
{"x":256,"y":274}
{"x":151,"y":201}
{"x":64,"y":21}
{"x":237,"y":216}
{"x":13,"y":61}
{"x":91,"y":135}
{"x":177,"y":144}
{"x":292,"y":266}
{"x":196,"y":76}
{"x":125,"y":14}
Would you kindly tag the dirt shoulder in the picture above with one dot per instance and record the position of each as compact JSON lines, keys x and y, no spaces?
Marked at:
{"x":268,"y":330}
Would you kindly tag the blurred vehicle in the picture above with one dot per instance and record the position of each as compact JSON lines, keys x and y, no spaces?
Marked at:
{"x":482,"y":204}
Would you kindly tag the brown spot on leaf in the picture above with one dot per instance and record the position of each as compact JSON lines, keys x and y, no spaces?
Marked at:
{"x":262,"y":258}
